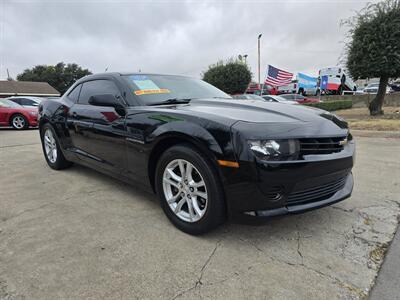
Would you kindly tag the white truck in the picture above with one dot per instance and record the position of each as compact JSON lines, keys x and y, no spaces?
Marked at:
{"x":335,"y":81}
{"x":303,"y":84}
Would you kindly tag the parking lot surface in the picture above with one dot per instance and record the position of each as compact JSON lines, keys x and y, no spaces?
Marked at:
{"x":77,"y":234}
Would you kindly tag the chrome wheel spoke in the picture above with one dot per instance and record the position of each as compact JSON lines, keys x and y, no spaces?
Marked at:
{"x":182,"y":168}
{"x":174,"y":176}
{"x":50,"y":155}
{"x":171,"y":182}
{"x":179,"y":205}
{"x":190,"y":207}
{"x":197,"y":184}
{"x":173,"y":198}
{"x":188,"y":172}
{"x":196,"y":207}
{"x":201,"y":194}
{"x":54,"y":154}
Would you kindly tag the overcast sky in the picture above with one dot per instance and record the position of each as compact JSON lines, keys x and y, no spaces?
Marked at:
{"x":179,"y":37}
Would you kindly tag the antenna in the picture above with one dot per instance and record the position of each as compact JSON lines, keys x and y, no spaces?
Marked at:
{"x":8,"y":76}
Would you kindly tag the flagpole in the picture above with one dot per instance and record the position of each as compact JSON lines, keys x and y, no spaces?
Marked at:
{"x":259,"y":64}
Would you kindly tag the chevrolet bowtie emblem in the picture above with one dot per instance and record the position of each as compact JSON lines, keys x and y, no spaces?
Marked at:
{"x":343,"y":142}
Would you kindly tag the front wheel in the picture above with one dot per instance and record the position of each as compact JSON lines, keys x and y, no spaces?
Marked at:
{"x":51,"y":149}
{"x":189,"y":190}
{"x":19,"y":122}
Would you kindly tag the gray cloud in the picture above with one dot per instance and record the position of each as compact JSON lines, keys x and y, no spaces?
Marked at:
{"x":181,"y":37}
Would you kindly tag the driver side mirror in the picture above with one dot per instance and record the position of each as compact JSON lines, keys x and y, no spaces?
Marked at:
{"x":105,"y":100}
{"x":108,"y":100}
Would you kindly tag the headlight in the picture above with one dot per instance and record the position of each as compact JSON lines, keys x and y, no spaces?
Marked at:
{"x":33,"y":113}
{"x":275,"y":149}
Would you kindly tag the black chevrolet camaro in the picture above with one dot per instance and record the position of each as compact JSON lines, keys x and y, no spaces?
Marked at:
{"x":208,"y":157}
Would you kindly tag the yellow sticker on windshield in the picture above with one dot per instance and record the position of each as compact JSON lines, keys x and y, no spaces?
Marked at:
{"x":147,"y":92}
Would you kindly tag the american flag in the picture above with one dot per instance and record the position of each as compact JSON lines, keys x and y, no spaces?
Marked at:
{"x":277,"y":77}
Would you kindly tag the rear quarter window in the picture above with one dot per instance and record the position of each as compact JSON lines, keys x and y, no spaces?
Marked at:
{"x":74,"y":94}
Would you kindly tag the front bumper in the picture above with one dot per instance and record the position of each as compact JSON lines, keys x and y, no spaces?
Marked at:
{"x":264,"y":215}
{"x":257,"y":192}
{"x":33,"y":121}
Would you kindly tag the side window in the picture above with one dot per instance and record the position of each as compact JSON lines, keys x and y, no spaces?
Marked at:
{"x":16,"y":100}
{"x":97,"y":87}
{"x":27,"y":102}
{"x":74,"y":94}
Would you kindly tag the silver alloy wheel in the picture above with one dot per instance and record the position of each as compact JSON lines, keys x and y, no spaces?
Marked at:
{"x":185,"y":190}
{"x":18,"y":122}
{"x":50,"y":145}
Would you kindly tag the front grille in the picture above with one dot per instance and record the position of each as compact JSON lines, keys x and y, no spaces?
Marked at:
{"x":316,"y":193}
{"x":321,"y":145}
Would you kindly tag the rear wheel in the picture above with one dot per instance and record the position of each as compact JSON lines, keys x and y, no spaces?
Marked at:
{"x":51,"y":149}
{"x":189,"y":190}
{"x":19,"y":122}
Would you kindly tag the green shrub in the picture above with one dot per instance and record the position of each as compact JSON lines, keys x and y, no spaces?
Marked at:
{"x":233,"y":77}
{"x":332,"y":105}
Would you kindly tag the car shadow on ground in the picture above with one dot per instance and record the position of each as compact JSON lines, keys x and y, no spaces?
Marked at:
{"x":7,"y":128}
{"x":233,"y":228}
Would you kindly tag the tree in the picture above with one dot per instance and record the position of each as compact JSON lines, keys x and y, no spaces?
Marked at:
{"x":233,"y":77}
{"x":60,"y":76}
{"x":374,"y":46}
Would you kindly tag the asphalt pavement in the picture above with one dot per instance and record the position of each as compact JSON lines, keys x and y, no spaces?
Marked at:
{"x":77,"y":234}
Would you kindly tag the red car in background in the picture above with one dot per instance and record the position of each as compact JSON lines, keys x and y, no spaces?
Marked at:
{"x":299,"y":98}
{"x":263,"y":89}
{"x":17,"y":116}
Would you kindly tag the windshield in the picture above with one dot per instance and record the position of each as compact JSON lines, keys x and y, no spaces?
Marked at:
{"x":8,"y":103}
{"x":254,"y":97}
{"x":154,"y":89}
{"x":279,"y":98}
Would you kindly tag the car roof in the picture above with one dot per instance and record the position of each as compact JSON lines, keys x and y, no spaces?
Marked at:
{"x":26,"y":97}
{"x":129,"y":73}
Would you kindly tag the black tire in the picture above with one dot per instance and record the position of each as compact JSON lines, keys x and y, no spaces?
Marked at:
{"x":60,"y":162}
{"x":15,"y":117}
{"x":215,"y":210}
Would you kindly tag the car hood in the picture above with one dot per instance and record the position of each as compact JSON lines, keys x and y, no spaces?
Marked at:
{"x":253,"y":111}
{"x":255,"y":114}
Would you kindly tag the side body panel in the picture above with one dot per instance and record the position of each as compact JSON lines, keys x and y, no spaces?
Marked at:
{"x":146,"y":130}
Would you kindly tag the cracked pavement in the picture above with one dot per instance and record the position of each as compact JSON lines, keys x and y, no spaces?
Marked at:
{"x":79,"y":234}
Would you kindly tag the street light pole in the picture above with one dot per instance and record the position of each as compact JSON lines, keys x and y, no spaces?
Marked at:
{"x":259,"y":64}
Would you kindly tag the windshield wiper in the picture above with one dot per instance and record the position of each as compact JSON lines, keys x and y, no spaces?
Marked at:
{"x":173,"y":101}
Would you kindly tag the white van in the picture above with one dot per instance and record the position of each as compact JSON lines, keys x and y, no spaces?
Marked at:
{"x":335,"y":80}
